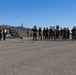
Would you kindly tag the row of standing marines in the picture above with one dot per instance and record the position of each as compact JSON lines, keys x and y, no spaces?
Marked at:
{"x":54,"y":33}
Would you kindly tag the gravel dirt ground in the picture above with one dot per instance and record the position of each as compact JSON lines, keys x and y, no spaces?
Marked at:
{"x":24,"y":57}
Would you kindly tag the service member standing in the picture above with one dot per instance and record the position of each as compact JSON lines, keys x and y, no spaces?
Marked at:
{"x":34,"y":33}
{"x":0,"y":34}
{"x":44,"y":33}
{"x":4,"y":33}
{"x":40,"y":33}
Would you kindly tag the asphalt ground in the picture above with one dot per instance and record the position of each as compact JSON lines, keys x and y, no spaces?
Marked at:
{"x":24,"y":57}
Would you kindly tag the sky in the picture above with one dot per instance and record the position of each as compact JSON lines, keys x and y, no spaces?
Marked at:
{"x":42,"y":13}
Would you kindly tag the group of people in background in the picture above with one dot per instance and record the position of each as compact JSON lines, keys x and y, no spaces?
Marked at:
{"x":8,"y":31}
{"x":3,"y":34}
{"x":54,"y":33}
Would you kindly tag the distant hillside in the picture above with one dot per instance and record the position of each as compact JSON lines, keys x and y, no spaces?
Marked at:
{"x":19,"y":28}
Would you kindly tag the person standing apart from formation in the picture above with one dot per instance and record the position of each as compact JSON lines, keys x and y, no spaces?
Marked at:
{"x":4,"y":33}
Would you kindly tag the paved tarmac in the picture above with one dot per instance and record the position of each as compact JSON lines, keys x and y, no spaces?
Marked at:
{"x":24,"y":57}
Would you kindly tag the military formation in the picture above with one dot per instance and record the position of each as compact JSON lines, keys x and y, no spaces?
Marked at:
{"x":54,"y":33}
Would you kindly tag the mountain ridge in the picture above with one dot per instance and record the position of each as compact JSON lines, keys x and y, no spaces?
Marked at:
{"x":19,"y":28}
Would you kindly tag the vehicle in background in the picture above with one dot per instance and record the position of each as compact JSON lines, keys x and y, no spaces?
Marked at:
{"x":8,"y":36}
